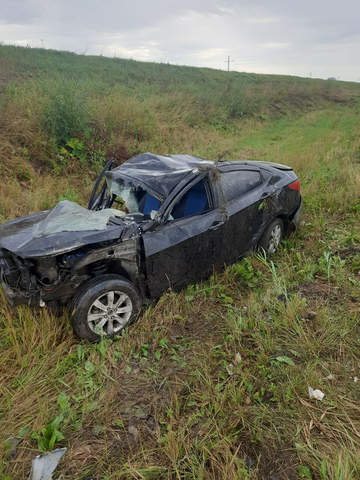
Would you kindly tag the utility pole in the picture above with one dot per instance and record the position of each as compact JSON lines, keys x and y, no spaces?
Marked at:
{"x":228,"y":62}
{"x":310,"y":74}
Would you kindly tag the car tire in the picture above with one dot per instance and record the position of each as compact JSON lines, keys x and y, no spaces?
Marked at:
{"x":271,"y":238}
{"x":104,"y":307}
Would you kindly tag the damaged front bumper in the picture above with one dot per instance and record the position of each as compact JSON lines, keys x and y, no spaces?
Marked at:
{"x":11,"y":295}
{"x":16,"y":281}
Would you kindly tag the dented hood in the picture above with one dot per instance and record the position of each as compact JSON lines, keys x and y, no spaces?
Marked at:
{"x":67,"y":227}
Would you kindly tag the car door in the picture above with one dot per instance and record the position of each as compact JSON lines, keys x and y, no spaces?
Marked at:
{"x":243,"y":189}
{"x":187,"y":246}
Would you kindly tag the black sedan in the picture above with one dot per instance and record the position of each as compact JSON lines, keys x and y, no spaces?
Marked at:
{"x":156,"y":222}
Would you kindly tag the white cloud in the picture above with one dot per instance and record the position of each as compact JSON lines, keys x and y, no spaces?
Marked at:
{"x":263,"y":19}
{"x":275,"y":45}
{"x":272,"y":36}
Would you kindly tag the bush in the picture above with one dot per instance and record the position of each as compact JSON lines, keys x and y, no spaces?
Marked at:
{"x":66,"y":113}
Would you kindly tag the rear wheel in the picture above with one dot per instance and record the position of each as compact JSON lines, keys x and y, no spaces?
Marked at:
{"x":271,"y":238}
{"x":105,"y":307}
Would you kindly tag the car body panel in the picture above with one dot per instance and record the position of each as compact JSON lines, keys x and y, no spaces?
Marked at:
{"x":183,"y":251}
{"x":61,"y":230}
{"x":48,"y":258}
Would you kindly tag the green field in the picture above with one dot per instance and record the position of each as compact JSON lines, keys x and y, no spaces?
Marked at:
{"x":163,"y":401}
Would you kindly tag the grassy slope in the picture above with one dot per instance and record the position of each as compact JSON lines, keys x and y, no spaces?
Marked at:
{"x":160,"y":403}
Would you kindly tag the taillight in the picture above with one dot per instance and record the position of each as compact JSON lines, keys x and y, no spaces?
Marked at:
{"x":295,"y":186}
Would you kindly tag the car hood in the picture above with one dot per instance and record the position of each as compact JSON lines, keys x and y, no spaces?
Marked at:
{"x":65,"y":228}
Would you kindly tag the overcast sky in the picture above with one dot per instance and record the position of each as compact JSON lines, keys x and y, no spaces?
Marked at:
{"x":295,"y":37}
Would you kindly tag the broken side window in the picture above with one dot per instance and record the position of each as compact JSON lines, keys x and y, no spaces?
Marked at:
{"x":237,"y":183}
{"x":133,"y":198}
{"x":148,"y":203}
{"x":194,"y":201}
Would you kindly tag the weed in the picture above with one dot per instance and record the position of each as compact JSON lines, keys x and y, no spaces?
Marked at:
{"x":50,"y":434}
{"x":66,"y":111}
{"x":245,"y":273}
{"x":212,"y":382}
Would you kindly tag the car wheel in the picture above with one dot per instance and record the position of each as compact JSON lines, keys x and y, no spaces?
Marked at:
{"x":105,"y":307}
{"x":271,"y":238}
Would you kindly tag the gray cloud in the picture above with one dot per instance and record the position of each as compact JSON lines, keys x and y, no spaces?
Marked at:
{"x":273,"y":36}
{"x":19,"y":12}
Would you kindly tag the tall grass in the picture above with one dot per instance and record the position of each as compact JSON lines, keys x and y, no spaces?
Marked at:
{"x":211,"y":383}
{"x":138,"y":105}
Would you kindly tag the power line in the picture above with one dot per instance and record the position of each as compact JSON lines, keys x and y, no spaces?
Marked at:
{"x":228,"y":62}
{"x":300,"y":56}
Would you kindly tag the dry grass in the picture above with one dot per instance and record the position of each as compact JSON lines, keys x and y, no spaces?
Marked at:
{"x":159,"y":402}
{"x":193,"y":420}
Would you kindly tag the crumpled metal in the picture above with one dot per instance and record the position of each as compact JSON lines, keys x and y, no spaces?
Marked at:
{"x":45,"y":464}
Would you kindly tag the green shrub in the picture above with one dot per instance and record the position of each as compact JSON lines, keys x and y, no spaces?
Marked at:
{"x":66,"y":112}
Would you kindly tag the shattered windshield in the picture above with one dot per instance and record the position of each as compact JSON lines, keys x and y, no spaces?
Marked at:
{"x":70,"y":217}
{"x":132,"y":198}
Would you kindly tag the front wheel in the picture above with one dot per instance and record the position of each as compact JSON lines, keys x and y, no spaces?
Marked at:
{"x":271,"y":238}
{"x":105,"y":307}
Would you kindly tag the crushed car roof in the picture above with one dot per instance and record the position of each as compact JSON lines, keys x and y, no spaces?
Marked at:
{"x":158,"y":174}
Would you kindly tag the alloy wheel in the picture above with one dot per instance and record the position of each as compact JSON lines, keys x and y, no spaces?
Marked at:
{"x":109,"y":313}
{"x":275,"y":238}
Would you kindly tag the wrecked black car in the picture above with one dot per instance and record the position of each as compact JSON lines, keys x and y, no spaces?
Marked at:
{"x":184,"y":217}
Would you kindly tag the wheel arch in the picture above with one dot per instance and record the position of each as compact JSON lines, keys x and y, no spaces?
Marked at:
{"x":286,"y":222}
{"x":264,"y":226}
{"x":117,"y":268}
{"x":90,"y":291}
{"x":92,"y":281}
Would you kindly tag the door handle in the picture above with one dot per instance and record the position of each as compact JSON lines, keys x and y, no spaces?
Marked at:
{"x":215,"y":225}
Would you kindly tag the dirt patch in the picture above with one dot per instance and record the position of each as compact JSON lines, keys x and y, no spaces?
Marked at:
{"x":101,"y":443}
{"x":348,"y":252}
{"x":319,"y":288}
{"x":40,"y":165}
{"x":275,"y":462}
{"x":119,"y":154}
